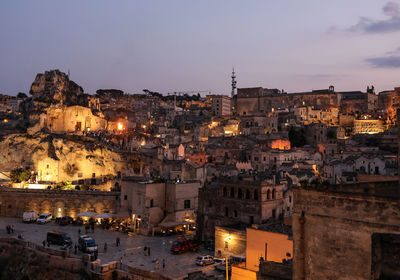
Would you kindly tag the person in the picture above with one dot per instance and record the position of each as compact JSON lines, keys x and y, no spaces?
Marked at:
{"x":92,"y":256}
{"x":44,"y":243}
{"x":105,"y":247}
{"x":145,"y":250}
{"x":117,"y":241}
{"x":157,"y":264}
{"x":163,"y":264}
{"x":8,"y":229}
{"x":120,"y":262}
{"x":12,"y":228}
{"x":75,"y":249}
{"x":79,"y":231}
{"x":148,"y":251}
{"x":95,"y":255}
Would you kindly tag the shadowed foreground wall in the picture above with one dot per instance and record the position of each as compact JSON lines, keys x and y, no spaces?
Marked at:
{"x":334,"y":231}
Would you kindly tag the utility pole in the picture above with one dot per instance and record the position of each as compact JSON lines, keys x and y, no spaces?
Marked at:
{"x":227,"y":269}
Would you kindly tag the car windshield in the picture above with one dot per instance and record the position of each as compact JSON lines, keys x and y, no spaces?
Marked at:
{"x":200,"y":258}
{"x":177,"y":243}
{"x":90,"y":243}
{"x":42,"y":216}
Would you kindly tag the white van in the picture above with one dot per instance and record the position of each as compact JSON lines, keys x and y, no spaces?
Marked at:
{"x":44,"y":218}
{"x":29,"y":217}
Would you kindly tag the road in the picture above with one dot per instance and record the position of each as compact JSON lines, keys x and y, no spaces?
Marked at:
{"x":130,"y":249}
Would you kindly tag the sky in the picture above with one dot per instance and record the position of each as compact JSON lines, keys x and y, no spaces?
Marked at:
{"x":185,"y":45}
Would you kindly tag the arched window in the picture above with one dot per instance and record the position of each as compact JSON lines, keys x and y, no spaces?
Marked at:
{"x":232,"y":192}
{"x":225,"y":192}
{"x":248,"y":194}
{"x":240,"y":193}
{"x":273,"y":194}
{"x":255,"y":195}
{"x":268,"y":194}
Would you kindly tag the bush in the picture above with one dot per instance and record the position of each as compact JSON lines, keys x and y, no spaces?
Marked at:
{"x":19,"y":174}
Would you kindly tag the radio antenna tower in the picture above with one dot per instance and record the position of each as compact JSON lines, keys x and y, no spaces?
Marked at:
{"x":233,"y":82}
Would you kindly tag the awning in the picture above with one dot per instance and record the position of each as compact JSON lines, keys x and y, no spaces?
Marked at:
{"x":104,"y":216}
{"x":87,"y":214}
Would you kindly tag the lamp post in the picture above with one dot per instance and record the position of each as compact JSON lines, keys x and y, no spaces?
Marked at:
{"x":227,"y":269}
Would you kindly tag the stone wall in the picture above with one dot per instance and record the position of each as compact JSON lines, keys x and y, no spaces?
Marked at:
{"x":333,"y":231}
{"x":14,"y":202}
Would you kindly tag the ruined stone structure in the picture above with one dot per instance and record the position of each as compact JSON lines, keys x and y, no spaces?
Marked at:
{"x":347,"y":232}
{"x":14,"y":202}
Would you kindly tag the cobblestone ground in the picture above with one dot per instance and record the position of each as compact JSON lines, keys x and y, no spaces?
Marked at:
{"x":130,"y":249}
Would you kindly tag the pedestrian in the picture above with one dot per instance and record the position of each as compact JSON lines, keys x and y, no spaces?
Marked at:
{"x":44,"y":243}
{"x":117,"y":241}
{"x":145,"y":250}
{"x":105,"y":247}
{"x":75,"y":249}
{"x":95,"y":255}
{"x":8,"y":229}
{"x":148,"y":251}
{"x":79,"y":231}
{"x":12,"y":228}
{"x":163,"y":264}
{"x":157,"y":264}
{"x":120,"y":262}
{"x":48,"y":244}
{"x":92,"y":256}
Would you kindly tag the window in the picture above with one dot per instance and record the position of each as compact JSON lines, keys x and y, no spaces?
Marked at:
{"x":226,"y":244}
{"x":232,"y":192}
{"x":151,"y":203}
{"x":247,"y":194}
{"x":225,"y":192}
{"x":273,"y":194}
{"x":240,"y":193}
{"x":255,"y":195}
{"x":236,"y":214}
{"x":290,"y":198}
{"x":125,"y":197}
{"x":226,"y":211}
{"x":47,"y":166}
{"x":251,"y":219}
{"x":187,"y":204}
{"x":268,"y":194}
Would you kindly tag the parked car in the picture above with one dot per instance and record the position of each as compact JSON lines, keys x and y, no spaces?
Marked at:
{"x":204,"y":260}
{"x":87,"y":244}
{"x":183,"y":245}
{"x":29,"y":217}
{"x":59,"y":238}
{"x":65,"y":221}
{"x":44,"y":218}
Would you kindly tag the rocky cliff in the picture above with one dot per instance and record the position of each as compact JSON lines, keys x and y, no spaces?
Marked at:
{"x":55,"y":87}
{"x":58,"y":157}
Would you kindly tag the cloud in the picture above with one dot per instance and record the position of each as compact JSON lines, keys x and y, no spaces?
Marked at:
{"x":384,"y":62}
{"x":371,"y":26}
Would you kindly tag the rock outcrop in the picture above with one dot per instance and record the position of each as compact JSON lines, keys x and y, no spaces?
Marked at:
{"x":58,"y":158}
{"x":55,"y":87}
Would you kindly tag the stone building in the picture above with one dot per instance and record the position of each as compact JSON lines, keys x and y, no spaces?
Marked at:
{"x":254,"y":101}
{"x":347,"y":232}
{"x":156,"y":204}
{"x":232,"y":201}
{"x":220,"y":105}
{"x":14,"y":202}
{"x":388,"y":102}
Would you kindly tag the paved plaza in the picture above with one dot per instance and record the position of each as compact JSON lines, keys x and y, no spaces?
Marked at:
{"x":131,"y":248}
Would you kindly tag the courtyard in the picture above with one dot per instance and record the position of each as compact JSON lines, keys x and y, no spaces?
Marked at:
{"x":131,"y":248}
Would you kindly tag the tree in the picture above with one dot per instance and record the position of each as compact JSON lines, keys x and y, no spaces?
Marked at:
{"x":19,"y":175}
{"x":21,"y":95}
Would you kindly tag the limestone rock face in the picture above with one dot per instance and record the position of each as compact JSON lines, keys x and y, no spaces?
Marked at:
{"x":56,"y":158}
{"x":55,"y":87}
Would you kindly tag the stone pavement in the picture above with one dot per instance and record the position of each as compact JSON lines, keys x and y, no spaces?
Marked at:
{"x":130,"y":249}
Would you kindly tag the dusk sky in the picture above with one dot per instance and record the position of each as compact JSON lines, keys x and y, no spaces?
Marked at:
{"x":169,"y":46}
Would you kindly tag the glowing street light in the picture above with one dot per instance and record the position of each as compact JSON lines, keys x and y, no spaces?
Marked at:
{"x":120,"y":126}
